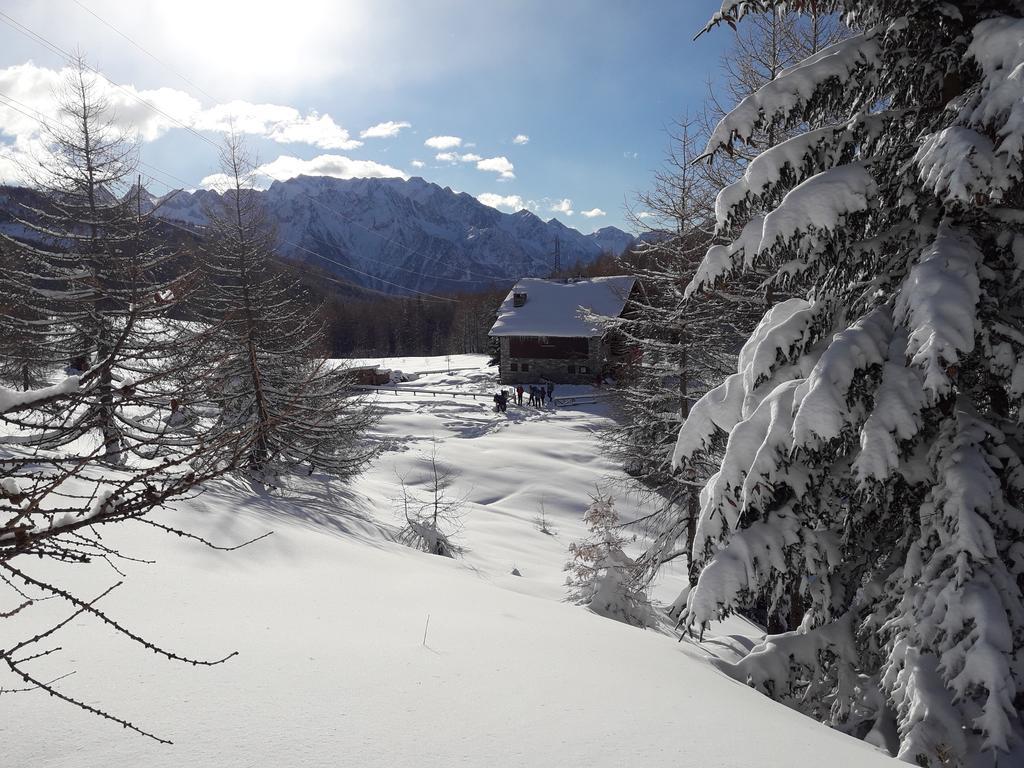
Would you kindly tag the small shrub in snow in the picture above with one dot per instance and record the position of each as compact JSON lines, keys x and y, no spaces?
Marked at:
{"x":432,"y":516}
{"x":601,"y":576}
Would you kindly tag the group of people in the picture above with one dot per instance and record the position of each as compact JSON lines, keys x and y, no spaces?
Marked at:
{"x":540,"y":395}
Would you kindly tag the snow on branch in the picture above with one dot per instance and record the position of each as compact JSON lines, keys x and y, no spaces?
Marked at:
{"x":823,"y":403}
{"x":780,"y":339}
{"x":721,"y":260}
{"x":956,"y":163}
{"x":14,"y":400}
{"x":816,"y":149}
{"x":958,"y":600}
{"x":794,"y":87}
{"x":743,"y":564}
{"x":938,"y":304}
{"x":998,"y":47}
{"x":895,"y":418}
{"x":820,"y":203}
{"x":754,"y":451}
{"x":783,"y":334}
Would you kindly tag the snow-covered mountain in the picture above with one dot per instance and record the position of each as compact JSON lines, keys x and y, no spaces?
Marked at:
{"x":395,"y":234}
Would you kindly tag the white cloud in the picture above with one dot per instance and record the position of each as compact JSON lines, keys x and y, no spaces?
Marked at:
{"x":646,"y":215}
{"x":628,"y":155}
{"x":35,"y":87}
{"x":384,"y":130}
{"x":288,"y":167}
{"x":455,"y":157}
{"x":508,"y":202}
{"x":320,"y":131}
{"x":500,"y":165}
{"x":521,"y":138}
{"x":562,"y":206}
{"x":593,"y":213}
{"x":417,"y":163}
{"x":443,"y":142}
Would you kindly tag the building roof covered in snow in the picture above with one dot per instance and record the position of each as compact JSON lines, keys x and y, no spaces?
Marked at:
{"x":537,"y":307}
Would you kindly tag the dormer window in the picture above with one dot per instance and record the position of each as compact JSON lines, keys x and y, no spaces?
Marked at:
{"x":518,"y":299}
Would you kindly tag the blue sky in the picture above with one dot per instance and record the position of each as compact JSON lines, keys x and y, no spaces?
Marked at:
{"x":592,"y":84}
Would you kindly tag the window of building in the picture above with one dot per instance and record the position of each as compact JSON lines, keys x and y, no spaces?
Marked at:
{"x":513,"y":366}
{"x":525,"y":367}
{"x":584,"y":369}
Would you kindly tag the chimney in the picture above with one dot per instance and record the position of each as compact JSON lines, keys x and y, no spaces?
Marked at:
{"x":518,"y":299}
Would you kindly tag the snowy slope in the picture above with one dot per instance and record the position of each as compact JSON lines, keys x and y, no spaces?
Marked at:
{"x":328,"y":617}
{"x":409,"y":232}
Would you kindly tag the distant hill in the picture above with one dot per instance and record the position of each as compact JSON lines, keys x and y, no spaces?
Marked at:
{"x":394,"y":235}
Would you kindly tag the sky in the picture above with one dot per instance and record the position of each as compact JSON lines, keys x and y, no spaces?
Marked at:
{"x":559,"y":106}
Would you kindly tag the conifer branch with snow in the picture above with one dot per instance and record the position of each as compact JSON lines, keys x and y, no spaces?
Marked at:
{"x":870,"y":488}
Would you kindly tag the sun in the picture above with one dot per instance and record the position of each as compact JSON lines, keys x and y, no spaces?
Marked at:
{"x":260,"y":42}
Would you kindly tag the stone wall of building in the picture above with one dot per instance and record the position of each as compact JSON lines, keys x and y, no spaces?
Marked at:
{"x":512,"y":370}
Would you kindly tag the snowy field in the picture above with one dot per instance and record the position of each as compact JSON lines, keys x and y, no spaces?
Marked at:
{"x":329,"y":616}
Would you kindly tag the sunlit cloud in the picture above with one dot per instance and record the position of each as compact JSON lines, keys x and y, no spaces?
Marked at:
{"x":154,"y":112}
{"x":500,"y":165}
{"x":510,"y":203}
{"x":288,"y":167}
{"x":385,"y":130}
{"x":455,"y":157}
{"x":443,"y":142}
{"x":417,"y":163}
{"x":521,"y":138}
{"x":593,"y":213}
{"x":562,"y":206}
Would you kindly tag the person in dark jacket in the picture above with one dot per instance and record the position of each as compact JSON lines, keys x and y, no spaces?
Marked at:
{"x":551,"y":393}
{"x":503,"y":401}
{"x":519,"y":394}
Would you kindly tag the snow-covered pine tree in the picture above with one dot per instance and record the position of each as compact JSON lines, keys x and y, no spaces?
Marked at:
{"x":689,"y":345}
{"x":872,"y":482}
{"x":272,"y":387}
{"x":601,"y":575}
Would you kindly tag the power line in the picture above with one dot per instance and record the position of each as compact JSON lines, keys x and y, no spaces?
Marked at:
{"x":138,"y":45}
{"x":54,"y":48}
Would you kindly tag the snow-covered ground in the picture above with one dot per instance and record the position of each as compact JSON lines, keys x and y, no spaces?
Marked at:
{"x":329,"y":617}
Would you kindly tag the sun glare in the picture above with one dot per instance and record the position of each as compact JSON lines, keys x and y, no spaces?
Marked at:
{"x":265,"y":41}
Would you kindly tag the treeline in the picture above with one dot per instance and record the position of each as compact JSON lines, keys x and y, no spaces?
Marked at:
{"x":367,"y":324}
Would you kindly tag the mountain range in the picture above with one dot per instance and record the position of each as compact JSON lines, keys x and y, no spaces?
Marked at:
{"x":403,"y":236}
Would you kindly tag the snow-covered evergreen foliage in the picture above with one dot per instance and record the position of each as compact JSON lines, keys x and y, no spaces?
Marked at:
{"x":871,"y":485}
{"x":601,"y":575}
{"x":686,"y":343}
{"x":272,"y":388}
